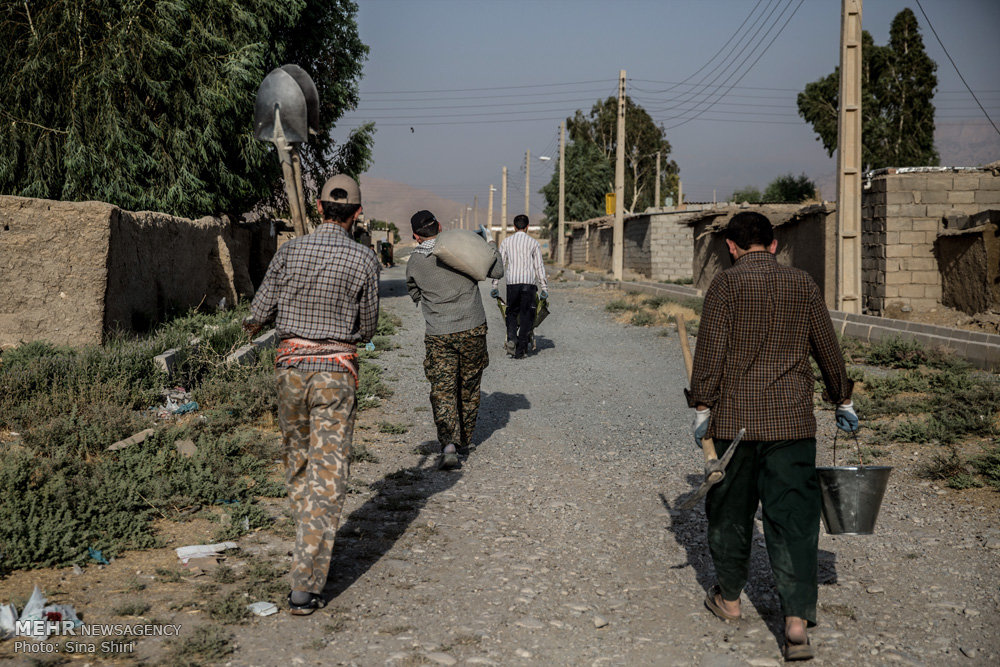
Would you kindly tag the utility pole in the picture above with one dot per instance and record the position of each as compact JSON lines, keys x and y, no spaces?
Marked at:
{"x":562,"y":194}
{"x":680,"y":193}
{"x":849,"y":160}
{"x":475,"y":211}
{"x":461,"y":218}
{"x":656,"y":190}
{"x":618,"y":251}
{"x":527,"y":180}
{"x":503,"y":206}
{"x":489,"y":213}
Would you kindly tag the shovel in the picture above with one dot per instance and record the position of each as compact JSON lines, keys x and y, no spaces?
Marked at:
{"x":715,"y":468}
{"x":285,"y":113}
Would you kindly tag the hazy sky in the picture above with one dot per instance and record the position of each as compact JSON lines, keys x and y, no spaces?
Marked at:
{"x":482,"y":81}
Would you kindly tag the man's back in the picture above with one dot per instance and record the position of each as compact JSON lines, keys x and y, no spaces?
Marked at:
{"x":313,"y":285}
{"x":522,"y":259}
{"x":760,"y":322}
{"x":449,"y":299}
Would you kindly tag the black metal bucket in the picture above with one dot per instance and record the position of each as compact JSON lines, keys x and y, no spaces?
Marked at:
{"x":852,"y":497}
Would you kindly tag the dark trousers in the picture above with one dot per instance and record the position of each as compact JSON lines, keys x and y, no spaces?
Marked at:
{"x":781,"y":476}
{"x":520,"y":314}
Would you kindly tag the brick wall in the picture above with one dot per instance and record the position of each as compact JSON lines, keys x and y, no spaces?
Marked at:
{"x":902,"y":216}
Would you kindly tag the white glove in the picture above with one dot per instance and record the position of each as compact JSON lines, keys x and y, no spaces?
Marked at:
{"x":699,"y":427}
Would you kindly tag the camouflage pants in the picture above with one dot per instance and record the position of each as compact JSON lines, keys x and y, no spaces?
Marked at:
{"x":316,"y":414}
{"x":454,"y":366}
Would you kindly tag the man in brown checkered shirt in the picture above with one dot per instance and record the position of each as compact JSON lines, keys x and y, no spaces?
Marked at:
{"x":321,"y":290}
{"x":760,"y":323}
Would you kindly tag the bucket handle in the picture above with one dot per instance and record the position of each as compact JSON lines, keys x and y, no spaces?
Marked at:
{"x":857,"y":445}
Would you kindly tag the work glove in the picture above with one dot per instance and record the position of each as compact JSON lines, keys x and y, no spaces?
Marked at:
{"x":847,"y":418}
{"x":544,"y":294}
{"x":700,"y":425}
{"x":494,"y":293}
{"x":250,"y":326}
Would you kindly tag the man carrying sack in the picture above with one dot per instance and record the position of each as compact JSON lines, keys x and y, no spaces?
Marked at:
{"x":455,"y":336}
{"x":321,"y":290}
{"x":525,"y":271}
{"x":760,"y":323}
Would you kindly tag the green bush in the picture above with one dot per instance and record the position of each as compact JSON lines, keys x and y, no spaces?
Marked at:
{"x":620,"y":305}
{"x":988,"y":465}
{"x":642,"y":319}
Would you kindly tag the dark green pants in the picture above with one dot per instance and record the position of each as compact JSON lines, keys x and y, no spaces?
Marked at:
{"x":781,"y":476}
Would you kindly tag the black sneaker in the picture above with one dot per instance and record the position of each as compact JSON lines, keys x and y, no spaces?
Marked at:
{"x":316,"y":601}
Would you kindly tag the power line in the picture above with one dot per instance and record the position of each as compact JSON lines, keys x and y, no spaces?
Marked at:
{"x":760,"y":55}
{"x":957,"y":71}
{"x":469,"y":90}
{"x":745,"y":43}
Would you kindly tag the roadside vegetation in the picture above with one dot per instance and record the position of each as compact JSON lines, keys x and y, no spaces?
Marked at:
{"x":67,"y":499}
{"x":906,"y":395}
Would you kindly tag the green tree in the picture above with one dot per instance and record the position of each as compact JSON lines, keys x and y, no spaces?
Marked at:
{"x":643,"y":140}
{"x":789,"y":188}
{"x":149,"y":104}
{"x":587,"y":176}
{"x":897,"y":92}
{"x":749,"y":194}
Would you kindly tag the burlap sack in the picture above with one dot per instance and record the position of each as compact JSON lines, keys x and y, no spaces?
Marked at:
{"x":465,"y":251}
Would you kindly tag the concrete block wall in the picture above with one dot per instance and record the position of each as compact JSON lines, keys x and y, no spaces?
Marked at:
{"x":902,"y":215}
{"x":672,"y":249}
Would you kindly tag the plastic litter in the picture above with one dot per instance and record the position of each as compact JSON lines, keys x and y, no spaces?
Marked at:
{"x":8,"y":617}
{"x":369,"y":346}
{"x":203,"y":550}
{"x":37,"y":610}
{"x":190,"y":406}
{"x":97,"y":556}
{"x":263,"y":608}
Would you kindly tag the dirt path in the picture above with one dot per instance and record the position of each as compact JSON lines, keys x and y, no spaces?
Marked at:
{"x":555,"y":544}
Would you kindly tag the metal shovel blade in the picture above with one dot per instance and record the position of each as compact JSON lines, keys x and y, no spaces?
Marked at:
{"x":280,"y":91}
{"x":712,"y":467}
{"x":309,"y":91}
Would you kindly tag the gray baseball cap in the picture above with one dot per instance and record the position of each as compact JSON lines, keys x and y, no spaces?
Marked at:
{"x":341,"y":189}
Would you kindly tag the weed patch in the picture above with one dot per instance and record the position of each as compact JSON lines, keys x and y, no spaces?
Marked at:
{"x":208,"y":643}
{"x":393,"y":429}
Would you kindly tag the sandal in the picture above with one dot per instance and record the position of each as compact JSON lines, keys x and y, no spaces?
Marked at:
{"x":713,"y":606}
{"x":798,"y":651}
{"x":316,"y":601}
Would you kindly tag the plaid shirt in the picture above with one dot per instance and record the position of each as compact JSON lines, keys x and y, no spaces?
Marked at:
{"x":760,"y":322}
{"x":323,"y":287}
{"x":522,"y":260}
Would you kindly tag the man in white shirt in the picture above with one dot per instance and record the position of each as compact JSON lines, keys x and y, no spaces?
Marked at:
{"x":525,"y":272}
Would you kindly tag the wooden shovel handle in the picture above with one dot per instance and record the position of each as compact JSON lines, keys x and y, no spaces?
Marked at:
{"x":707,"y":444}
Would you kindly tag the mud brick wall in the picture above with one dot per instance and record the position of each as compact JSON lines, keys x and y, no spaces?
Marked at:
{"x":902,"y":217}
{"x":75,"y":271}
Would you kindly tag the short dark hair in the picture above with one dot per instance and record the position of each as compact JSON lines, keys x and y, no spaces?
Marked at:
{"x":520,"y":221}
{"x":338,"y":212}
{"x":748,"y":228}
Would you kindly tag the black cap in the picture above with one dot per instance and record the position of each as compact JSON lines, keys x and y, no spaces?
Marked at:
{"x":422,"y":221}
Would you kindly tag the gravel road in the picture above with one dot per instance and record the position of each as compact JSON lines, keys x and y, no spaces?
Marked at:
{"x":556,"y":544}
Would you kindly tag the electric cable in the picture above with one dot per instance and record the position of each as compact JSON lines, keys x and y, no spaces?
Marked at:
{"x":957,"y":71}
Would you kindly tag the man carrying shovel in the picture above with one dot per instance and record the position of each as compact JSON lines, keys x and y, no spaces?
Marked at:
{"x":321,"y":291}
{"x":760,"y":323}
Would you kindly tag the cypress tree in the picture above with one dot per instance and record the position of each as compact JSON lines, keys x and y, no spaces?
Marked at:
{"x":897,"y":92}
{"x":149,"y":105}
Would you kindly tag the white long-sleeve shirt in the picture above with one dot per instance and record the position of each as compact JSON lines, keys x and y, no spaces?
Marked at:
{"x":522,"y":260}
